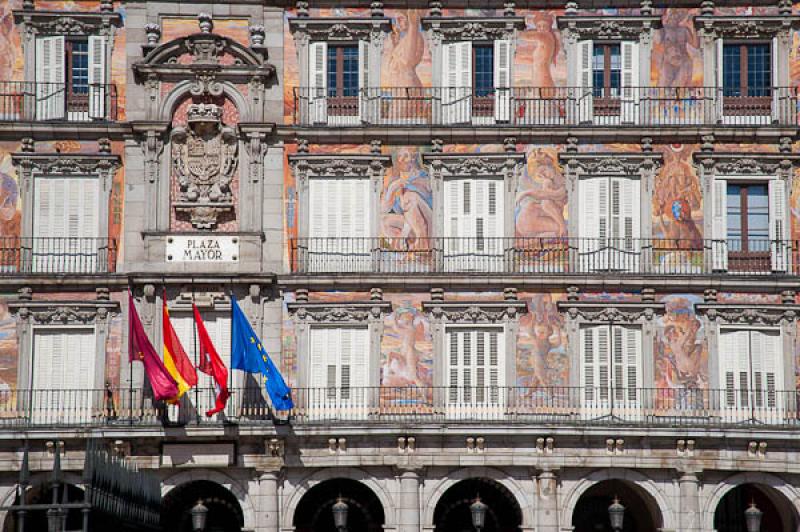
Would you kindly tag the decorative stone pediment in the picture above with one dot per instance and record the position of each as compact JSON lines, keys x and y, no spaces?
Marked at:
{"x":612,"y":164}
{"x":475,"y":311}
{"x":443,"y":165}
{"x":749,"y":27}
{"x":746,"y":164}
{"x":67,"y":23}
{"x":66,"y":164}
{"x":307,"y":165}
{"x":472,"y":28}
{"x":748,"y":314}
{"x":306,"y":29}
{"x":63,"y":313}
{"x":611,"y":311}
{"x":604,"y":27}
{"x":345,"y":312}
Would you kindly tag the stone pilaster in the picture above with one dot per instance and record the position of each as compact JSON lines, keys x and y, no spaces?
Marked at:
{"x":408,"y":503}
{"x":267,"y":509}
{"x":547,"y":503}
{"x":689,"y":514}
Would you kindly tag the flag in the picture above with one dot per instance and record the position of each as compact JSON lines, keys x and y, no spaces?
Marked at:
{"x":211,"y":364}
{"x":175,"y":359}
{"x":141,"y":350}
{"x":247,"y":354}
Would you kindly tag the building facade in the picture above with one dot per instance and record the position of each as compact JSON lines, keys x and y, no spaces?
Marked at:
{"x":544,"y":254}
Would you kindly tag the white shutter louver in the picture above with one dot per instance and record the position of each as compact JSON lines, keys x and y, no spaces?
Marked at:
{"x":502,"y":80}
{"x":584,"y":98}
{"x":719,"y":225}
{"x":780,"y":245}
{"x":365,"y":110}
{"x":630,"y":82}
{"x":98,"y":89}
{"x":318,"y":82}
{"x":50,"y":87}
{"x":456,"y":82}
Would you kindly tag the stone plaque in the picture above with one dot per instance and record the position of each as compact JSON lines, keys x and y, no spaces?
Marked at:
{"x":202,"y":248}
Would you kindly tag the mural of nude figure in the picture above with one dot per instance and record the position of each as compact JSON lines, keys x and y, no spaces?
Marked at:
{"x":677,"y":198}
{"x":406,"y":346}
{"x":542,"y":198}
{"x":405,"y":53}
{"x":407,"y":202}
{"x":675,"y":50}
{"x":542,"y":342}
{"x":681,"y":355}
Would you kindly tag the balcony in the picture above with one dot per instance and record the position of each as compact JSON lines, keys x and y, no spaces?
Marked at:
{"x":552,"y":256}
{"x":541,"y":107}
{"x":566,"y":406}
{"x":30,"y":101}
{"x":57,"y":255}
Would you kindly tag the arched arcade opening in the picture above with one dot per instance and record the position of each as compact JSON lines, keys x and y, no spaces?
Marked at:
{"x":364,"y":510}
{"x":641,"y":513}
{"x":777,"y":513}
{"x":452,"y":513}
{"x":224,"y":512}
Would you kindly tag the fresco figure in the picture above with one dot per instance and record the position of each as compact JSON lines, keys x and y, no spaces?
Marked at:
{"x":408,"y":47}
{"x":677,"y":201}
{"x":407,"y":202}
{"x":541,"y":202}
{"x":677,"y":40}
{"x":542,"y":345}
{"x":681,"y":360}
{"x":404,"y":364}
{"x":545,"y":49}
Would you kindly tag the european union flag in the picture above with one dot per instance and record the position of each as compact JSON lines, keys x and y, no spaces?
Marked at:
{"x":247,"y":354}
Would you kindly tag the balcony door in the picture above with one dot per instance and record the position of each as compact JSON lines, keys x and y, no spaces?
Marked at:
{"x":609,"y":78}
{"x":475,"y":372}
{"x":338,"y":82}
{"x":747,"y":77}
{"x":473,"y":225}
{"x":609,"y":233}
{"x":611,"y":378}
{"x":338,"y":373}
{"x":339,"y":225}
{"x":65,"y":227}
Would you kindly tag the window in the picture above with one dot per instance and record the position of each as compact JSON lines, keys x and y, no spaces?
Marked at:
{"x":749,"y":225}
{"x":747,"y":76}
{"x":339,"y":224}
{"x":750,"y":368}
{"x":610,"y":363}
{"x":475,"y":368}
{"x":609,"y":78}
{"x":63,"y":374}
{"x":476,"y":81}
{"x":71,"y":77}
{"x":66,"y":225}
{"x":473,"y":227}
{"x":338,"y":367}
{"x":338,"y":77}
{"x":609,"y":233}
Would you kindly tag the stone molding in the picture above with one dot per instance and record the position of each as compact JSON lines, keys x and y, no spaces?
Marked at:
{"x":309,"y":29}
{"x":475,"y":311}
{"x":36,"y":22}
{"x":622,"y":164}
{"x":746,"y":164}
{"x":748,"y":314}
{"x":443,"y":29}
{"x":63,"y":313}
{"x":600,"y":28}
{"x":443,"y":165}
{"x":65,"y":163}
{"x":611,"y":311}
{"x":307,"y":166}
{"x":344,"y":312}
{"x":711,"y":27}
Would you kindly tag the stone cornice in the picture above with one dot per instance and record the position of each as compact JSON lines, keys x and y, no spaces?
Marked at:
{"x":724,"y":163}
{"x":338,"y":164}
{"x":472,"y":28}
{"x":66,"y":163}
{"x":340,"y":29}
{"x":611,"y":311}
{"x":43,"y":22}
{"x":749,"y":27}
{"x":475,"y":311}
{"x":611,"y":163}
{"x":748,"y":314}
{"x":334,"y":312}
{"x":603,"y":27}
{"x":477,"y":165}
{"x":63,"y":313}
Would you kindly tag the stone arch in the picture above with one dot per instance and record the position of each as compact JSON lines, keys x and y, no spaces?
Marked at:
{"x":640,"y":481}
{"x":181,"y":91}
{"x":351,"y":473}
{"x":502,"y":478}
{"x":775,"y":485}
{"x":229,"y":483}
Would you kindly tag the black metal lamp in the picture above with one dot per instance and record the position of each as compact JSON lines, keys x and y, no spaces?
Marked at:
{"x":199,"y":516}
{"x":478,"y":511}
{"x":752,"y":518}
{"x":339,"y":510}
{"x":616,"y":514}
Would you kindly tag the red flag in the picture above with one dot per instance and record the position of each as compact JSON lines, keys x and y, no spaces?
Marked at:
{"x":211,"y":364}
{"x":140,"y":349}
{"x":175,"y":359}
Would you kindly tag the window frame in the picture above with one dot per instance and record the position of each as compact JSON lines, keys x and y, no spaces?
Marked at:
{"x":753,"y":388}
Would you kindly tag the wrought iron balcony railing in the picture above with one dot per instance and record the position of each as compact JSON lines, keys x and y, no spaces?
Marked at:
{"x":555,"y":256}
{"x":570,"y":406}
{"x":31,"y":101}
{"x":20,"y":255}
{"x":547,"y":106}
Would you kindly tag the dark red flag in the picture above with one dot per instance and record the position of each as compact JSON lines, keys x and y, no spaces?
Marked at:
{"x":211,"y":364}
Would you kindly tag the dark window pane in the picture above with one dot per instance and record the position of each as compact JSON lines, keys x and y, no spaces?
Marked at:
{"x":759,"y":69}
{"x":484,"y":70}
{"x":731,"y":69}
{"x":342,"y":70}
{"x":80,"y":67}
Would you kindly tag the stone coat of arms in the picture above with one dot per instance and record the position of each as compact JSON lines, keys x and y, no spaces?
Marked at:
{"x":204,"y":159}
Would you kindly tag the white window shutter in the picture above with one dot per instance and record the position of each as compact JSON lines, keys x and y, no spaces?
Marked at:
{"x":633,"y":346}
{"x":457,"y":82}
{"x":720,"y":80}
{"x":98,"y":88}
{"x":320,"y":344}
{"x":719,"y":225}
{"x":318,"y":82}
{"x":364,"y":109}
{"x":770,"y":363}
{"x":589,"y":222}
{"x":630,"y":82}
{"x":629,"y":224}
{"x":502,"y":80}
{"x":780,"y":245}
{"x":585,"y":104}
{"x":360,"y":361}
{"x":50,"y":87}
{"x":319,"y":199}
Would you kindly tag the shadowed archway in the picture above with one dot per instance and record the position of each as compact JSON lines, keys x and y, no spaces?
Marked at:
{"x":224,"y":512}
{"x":641,"y":510}
{"x":777,"y":512}
{"x":313,"y":513}
{"x":452,"y":512}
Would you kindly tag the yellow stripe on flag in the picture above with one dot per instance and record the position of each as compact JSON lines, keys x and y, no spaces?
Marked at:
{"x":169,"y":363}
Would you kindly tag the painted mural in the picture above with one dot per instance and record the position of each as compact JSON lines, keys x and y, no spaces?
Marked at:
{"x":542,"y":358}
{"x":681,"y":352}
{"x":407,"y":344}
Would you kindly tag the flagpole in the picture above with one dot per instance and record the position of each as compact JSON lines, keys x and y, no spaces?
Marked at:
{"x":194,"y":338}
{"x":130,"y":359}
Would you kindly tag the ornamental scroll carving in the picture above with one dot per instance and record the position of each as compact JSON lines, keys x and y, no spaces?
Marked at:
{"x":464,"y":165}
{"x":771,"y":315}
{"x":475,"y":312}
{"x":635,"y":28}
{"x":204,"y":159}
{"x":349,"y":312}
{"x":752,"y":164}
{"x":472,"y":29}
{"x":751,"y":27}
{"x":45,"y":313}
{"x":606,"y":312}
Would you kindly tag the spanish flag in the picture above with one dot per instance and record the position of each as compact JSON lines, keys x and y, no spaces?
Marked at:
{"x":175,"y":359}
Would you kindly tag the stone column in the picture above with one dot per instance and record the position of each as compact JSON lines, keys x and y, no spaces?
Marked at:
{"x":267,"y":511}
{"x":689,"y":516}
{"x":408,"y":500}
{"x":547,"y":507}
